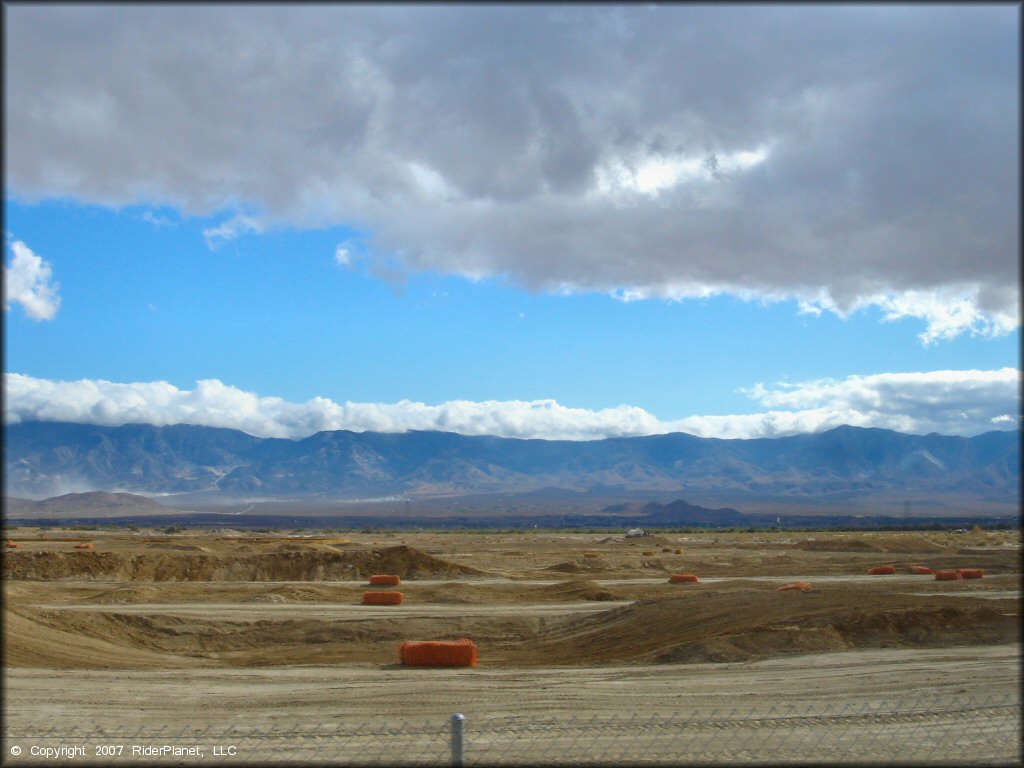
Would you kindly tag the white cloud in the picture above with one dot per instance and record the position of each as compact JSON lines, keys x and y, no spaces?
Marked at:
{"x":948,"y":312}
{"x":651,"y":175}
{"x":844,"y":156}
{"x":28,"y":281}
{"x":238,"y":225}
{"x":949,"y":402}
{"x":157,"y":221}
{"x":344,"y":254}
{"x":781,"y":423}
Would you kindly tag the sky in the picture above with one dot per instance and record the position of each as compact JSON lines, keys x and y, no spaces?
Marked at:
{"x":534,"y":221}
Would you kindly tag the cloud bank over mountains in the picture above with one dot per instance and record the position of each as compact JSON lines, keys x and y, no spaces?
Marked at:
{"x":845,"y":156}
{"x":949,"y":402}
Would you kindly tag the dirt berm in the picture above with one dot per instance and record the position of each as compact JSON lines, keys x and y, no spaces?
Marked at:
{"x":907,"y":544}
{"x":749,"y":624}
{"x":29,"y":643}
{"x":405,"y":561}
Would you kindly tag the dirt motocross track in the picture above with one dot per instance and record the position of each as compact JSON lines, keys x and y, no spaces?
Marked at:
{"x":144,"y":614}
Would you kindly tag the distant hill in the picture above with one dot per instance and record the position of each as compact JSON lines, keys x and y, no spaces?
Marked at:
{"x":44,"y":458}
{"x":16,"y":507}
{"x":677,"y":513}
{"x":90,"y":504}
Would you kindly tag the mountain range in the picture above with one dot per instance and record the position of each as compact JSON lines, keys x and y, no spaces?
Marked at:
{"x":43,"y":459}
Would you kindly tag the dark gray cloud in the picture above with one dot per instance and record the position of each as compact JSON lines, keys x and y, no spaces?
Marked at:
{"x":845,"y":155}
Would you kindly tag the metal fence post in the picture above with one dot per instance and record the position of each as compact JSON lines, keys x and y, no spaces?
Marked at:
{"x":457,"y":722}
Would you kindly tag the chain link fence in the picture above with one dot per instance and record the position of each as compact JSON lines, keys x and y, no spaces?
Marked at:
{"x":965,"y":730}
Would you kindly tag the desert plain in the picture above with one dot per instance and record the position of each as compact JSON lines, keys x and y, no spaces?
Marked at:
{"x":232,"y":632}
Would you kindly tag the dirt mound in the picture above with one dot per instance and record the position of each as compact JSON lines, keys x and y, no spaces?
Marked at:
{"x":293,"y":593}
{"x":570,"y":566}
{"x":912,"y":544}
{"x":580,"y":590}
{"x":758,"y":644}
{"x":909,"y":544}
{"x":30,"y":643}
{"x":269,"y":597}
{"x":754,"y":623}
{"x":128,"y":594}
{"x":409,"y":562}
{"x":837,"y":545}
{"x":586,"y":565}
{"x":303,"y":565}
{"x":452,"y":593}
{"x":125,"y":640}
{"x":304,"y":546}
{"x":49,"y":565}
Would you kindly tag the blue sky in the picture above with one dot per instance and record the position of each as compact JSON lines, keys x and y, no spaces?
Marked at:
{"x":477,"y":288}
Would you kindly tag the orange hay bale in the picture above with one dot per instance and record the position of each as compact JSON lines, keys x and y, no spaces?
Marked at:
{"x":438,"y":653}
{"x":591,"y":554}
{"x":680,"y":578}
{"x":922,"y":570}
{"x":948,"y":575}
{"x":385,"y":580}
{"x":971,"y":573}
{"x":13,"y":545}
{"x":802,"y":586}
{"x":83,"y":546}
{"x":882,"y":570}
{"x":382,"y":598}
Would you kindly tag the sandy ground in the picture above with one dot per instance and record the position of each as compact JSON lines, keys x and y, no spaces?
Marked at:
{"x":315,"y":694}
{"x":193,"y":635}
